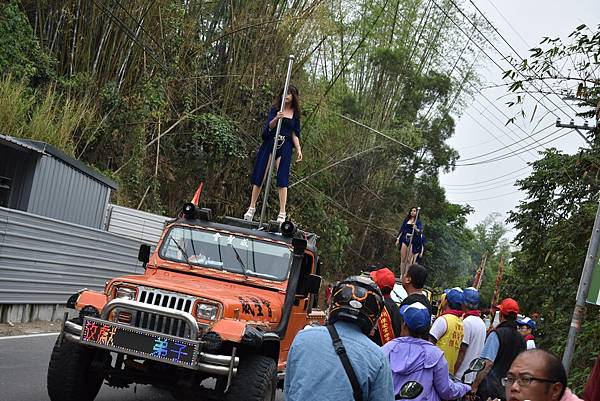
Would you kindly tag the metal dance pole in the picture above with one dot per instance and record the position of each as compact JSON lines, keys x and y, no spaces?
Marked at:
{"x":272,"y":163}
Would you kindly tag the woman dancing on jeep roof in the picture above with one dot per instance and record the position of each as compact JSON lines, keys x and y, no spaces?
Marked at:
{"x":289,"y":136}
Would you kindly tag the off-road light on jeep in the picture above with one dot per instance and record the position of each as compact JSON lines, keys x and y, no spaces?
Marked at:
{"x":189,"y":211}
{"x":125,"y":293}
{"x":206,"y":311}
{"x":288,"y":229}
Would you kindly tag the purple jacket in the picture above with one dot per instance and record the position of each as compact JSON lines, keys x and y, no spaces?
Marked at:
{"x":419,"y":360}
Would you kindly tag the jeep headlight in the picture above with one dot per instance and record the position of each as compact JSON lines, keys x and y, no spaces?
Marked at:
{"x":125,"y":293}
{"x":207,"y":311}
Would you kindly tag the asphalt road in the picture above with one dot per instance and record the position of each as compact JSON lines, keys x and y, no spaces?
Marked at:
{"x":23,"y":366}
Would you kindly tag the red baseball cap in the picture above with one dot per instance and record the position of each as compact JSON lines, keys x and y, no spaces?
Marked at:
{"x":384,"y":278}
{"x":508,"y":305}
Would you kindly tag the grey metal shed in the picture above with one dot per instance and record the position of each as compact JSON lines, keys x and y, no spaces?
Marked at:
{"x":38,"y":178}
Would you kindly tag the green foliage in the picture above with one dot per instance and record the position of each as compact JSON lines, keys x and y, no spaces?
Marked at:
{"x":544,"y":69}
{"x":215,"y":135}
{"x":554,"y":229}
{"x":44,"y":115}
{"x":20,"y":53}
{"x":201,"y":76}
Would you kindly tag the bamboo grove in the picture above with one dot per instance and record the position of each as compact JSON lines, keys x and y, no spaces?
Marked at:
{"x":170,"y":93}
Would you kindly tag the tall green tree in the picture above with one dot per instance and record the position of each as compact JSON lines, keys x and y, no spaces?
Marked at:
{"x":555,"y":221}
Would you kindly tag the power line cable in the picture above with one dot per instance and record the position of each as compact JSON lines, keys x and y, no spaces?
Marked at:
{"x":527,"y":135}
{"x":518,"y":55}
{"x":509,"y":24}
{"x":494,"y":61}
{"x":504,"y":147}
{"x":489,"y":198}
{"x":507,"y":156}
{"x":488,"y":186}
{"x":505,"y":58}
{"x":476,"y":120}
{"x":491,"y":179}
{"x":462,"y":191}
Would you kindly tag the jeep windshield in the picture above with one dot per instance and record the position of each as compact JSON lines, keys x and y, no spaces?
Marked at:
{"x":230,"y":252}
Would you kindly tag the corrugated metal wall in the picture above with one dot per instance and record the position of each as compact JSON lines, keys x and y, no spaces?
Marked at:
{"x":135,"y":224}
{"x":44,"y":261}
{"x":62,"y":192}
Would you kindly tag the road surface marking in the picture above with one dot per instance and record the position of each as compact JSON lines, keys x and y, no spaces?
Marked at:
{"x":28,"y":336}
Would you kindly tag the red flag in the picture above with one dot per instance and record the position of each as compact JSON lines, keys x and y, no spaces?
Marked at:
{"x":496,"y":291}
{"x":479,"y":275}
{"x":196,"y":198}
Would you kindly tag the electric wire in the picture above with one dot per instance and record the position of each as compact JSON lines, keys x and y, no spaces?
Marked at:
{"x":491,"y":44}
{"x":509,"y":24}
{"x":478,"y":91}
{"x":504,"y":147}
{"x":509,"y":155}
{"x":462,"y":191}
{"x":488,"y":186}
{"x":516,"y":69}
{"x":491,"y":179}
{"x":518,"y":55}
{"x":488,"y":198}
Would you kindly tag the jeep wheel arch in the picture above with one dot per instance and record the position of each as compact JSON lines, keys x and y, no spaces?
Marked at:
{"x":256,"y":380}
{"x":72,"y":374}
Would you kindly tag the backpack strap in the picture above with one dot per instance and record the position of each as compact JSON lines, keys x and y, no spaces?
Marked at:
{"x":338,"y":346}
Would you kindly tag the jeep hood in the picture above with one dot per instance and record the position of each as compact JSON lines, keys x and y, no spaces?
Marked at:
{"x":244,"y":300}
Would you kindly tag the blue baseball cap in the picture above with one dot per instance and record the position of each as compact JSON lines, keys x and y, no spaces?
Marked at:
{"x":471,"y":296}
{"x":455,"y":295}
{"x":527,"y":322}
{"x":416,"y":316}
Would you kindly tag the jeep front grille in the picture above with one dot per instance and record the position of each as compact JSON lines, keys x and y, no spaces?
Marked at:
{"x":159,"y":323}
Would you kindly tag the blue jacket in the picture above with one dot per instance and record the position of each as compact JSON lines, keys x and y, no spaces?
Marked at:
{"x":314,"y":371}
{"x":415,"y":359}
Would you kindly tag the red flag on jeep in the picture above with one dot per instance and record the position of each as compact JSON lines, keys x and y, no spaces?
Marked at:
{"x":196,"y":198}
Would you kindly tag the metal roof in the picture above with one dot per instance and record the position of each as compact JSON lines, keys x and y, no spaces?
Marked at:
{"x":46,"y":149}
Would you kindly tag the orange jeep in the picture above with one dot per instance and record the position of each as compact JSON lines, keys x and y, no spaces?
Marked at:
{"x":220,"y":301}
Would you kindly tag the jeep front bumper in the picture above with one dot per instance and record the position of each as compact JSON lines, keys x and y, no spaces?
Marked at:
{"x":123,"y":338}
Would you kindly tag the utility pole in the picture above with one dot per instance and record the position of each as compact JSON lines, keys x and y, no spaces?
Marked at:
{"x":577,"y":128}
{"x":588,"y":266}
{"x":584,"y":284}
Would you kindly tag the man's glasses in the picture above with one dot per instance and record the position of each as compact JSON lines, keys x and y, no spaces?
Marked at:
{"x":524,"y":381}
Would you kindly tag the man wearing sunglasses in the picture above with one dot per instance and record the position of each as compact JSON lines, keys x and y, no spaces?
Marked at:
{"x":537,"y":375}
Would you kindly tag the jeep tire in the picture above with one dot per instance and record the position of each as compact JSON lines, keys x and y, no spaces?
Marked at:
{"x":71,"y":376}
{"x":256,"y":380}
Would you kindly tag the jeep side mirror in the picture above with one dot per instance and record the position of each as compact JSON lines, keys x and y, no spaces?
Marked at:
{"x":313,"y":283}
{"x":144,"y":254}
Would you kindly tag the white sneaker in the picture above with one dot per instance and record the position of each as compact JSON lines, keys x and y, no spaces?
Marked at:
{"x":281,"y":217}
{"x":249,"y":215}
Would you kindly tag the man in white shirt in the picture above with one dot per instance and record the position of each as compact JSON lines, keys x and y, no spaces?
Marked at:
{"x":474,"y":334}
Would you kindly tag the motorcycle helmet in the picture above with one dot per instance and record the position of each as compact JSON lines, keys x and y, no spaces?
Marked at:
{"x":356,"y":299}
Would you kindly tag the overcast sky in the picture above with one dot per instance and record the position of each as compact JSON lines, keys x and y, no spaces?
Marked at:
{"x":523,"y":24}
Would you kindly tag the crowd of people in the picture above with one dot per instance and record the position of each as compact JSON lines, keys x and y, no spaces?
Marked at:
{"x":371,"y":347}
{"x":379,"y":345}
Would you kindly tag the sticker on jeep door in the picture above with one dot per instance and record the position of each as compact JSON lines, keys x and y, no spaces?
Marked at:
{"x":131,"y":340}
